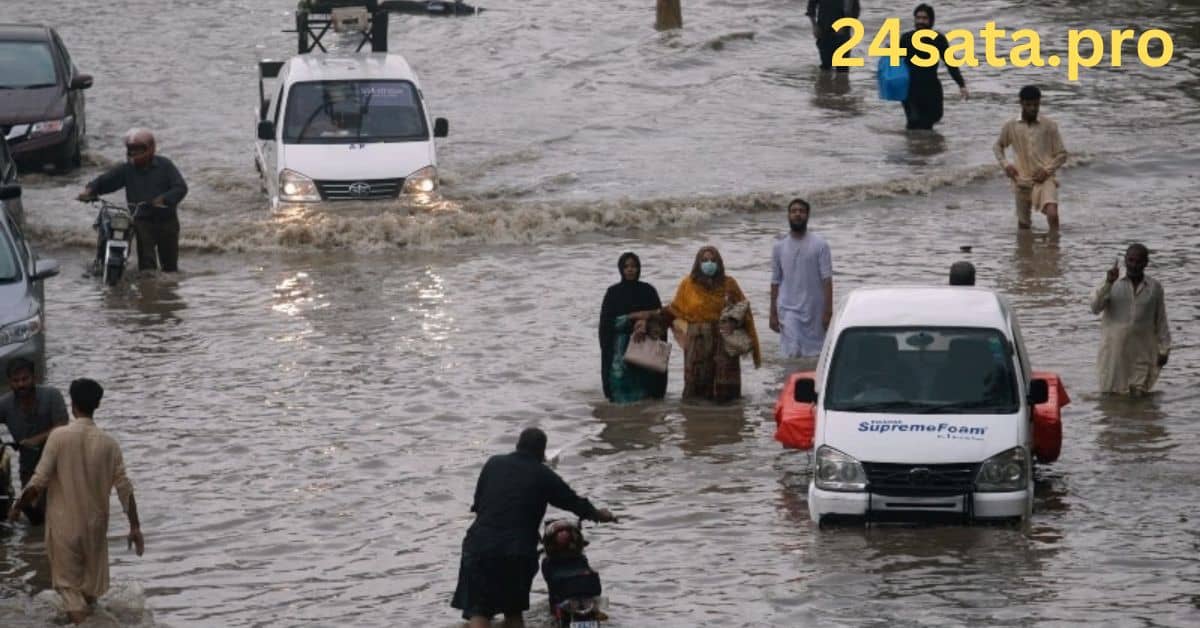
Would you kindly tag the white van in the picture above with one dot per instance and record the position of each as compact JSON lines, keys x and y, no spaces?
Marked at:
{"x":923,"y":401}
{"x":345,"y":127}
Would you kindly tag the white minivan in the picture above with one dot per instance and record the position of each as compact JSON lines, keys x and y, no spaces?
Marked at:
{"x":921,"y":406}
{"x":345,"y":127}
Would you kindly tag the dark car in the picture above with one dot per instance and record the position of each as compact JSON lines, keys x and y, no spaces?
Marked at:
{"x":41,"y":97}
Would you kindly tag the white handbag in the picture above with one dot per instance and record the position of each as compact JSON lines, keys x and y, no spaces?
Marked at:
{"x":648,"y":353}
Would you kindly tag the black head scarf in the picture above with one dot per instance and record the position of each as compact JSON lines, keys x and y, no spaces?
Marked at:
{"x":622,"y":298}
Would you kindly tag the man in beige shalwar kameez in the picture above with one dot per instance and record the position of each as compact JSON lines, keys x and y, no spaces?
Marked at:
{"x":1039,"y":152}
{"x":1136,"y":338}
{"x":80,"y":466}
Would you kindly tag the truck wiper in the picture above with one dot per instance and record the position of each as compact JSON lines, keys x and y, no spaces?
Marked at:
{"x":956,"y":406}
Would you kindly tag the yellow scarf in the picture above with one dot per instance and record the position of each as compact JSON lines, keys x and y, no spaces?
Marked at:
{"x":695,"y":303}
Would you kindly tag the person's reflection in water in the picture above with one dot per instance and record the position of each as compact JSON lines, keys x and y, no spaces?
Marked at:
{"x":1037,"y":260}
{"x":709,"y":427}
{"x":629,"y":427}
{"x":831,"y":90}
{"x":158,"y":300}
{"x":925,"y":143}
{"x":1134,"y":426}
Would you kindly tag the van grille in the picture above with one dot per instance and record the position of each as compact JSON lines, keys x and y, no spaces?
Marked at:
{"x":920,"y":480}
{"x":360,"y":190}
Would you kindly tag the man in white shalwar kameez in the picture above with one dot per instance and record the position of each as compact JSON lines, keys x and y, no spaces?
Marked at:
{"x":801,"y":286}
{"x":1136,"y":338}
{"x":80,"y":466}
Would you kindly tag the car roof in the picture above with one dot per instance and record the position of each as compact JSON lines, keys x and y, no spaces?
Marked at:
{"x":936,"y":306}
{"x":374,"y":65}
{"x":24,"y":32}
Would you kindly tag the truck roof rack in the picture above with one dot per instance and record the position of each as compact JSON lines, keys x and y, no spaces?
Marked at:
{"x":315,"y":18}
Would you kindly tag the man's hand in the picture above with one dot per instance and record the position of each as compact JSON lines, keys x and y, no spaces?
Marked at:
{"x":159,"y":201}
{"x":1011,"y":171}
{"x":1162,"y":360}
{"x":966,"y":95}
{"x":604,"y":515}
{"x":86,"y":196}
{"x":135,"y":539}
{"x":1041,"y":175}
{"x":1114,"y":273}
{"x":775,"y":326}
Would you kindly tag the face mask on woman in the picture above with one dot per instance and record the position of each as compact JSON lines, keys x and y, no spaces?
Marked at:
{"x":708,"y":267}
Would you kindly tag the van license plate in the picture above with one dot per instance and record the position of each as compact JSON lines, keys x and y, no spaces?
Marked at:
{"x":587,"y":623}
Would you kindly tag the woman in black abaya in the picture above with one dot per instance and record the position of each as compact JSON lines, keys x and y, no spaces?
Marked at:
{"x":630,"y":307}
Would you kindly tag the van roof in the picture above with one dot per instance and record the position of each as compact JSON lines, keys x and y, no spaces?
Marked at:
{"x":939,"y":306}
{"x":326,"y":67}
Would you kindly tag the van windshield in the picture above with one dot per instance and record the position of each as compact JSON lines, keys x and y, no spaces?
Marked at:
{"x":350,"y":112}
{"x":922,"y":370}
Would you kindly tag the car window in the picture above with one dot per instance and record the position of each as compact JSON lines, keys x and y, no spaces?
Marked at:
{"x":66,"y":56}
{"x":26,"y":64}
{"x":927,"y":370}
{"x":10,"y":271}
{"x":344,"y":112}
{"x":275,"y":105}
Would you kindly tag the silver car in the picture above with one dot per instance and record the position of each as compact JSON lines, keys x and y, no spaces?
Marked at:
{"x":22,"y":313}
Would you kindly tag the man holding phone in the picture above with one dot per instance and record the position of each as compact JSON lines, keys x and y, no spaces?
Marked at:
{"x":1135,"y":334}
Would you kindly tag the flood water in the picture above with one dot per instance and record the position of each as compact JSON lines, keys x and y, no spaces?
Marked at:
{"x":305,"y":409}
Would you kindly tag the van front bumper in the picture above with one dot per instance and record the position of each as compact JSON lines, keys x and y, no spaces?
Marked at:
{"x":836,"y":504}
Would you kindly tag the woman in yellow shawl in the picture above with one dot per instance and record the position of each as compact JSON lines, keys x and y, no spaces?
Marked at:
{"x":709,"y":371}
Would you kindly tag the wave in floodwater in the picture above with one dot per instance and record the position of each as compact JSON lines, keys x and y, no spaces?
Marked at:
{"x":505,"y":217}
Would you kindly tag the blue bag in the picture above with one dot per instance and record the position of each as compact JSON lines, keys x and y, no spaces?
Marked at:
{"x":893,"y":81}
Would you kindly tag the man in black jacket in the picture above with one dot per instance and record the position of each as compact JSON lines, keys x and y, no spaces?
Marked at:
{"x":823,"y":14}
{"x":156,"y":182}
{"x":499,"y":553}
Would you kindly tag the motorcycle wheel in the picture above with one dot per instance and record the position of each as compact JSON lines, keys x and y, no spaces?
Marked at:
{"x":113,"y":274}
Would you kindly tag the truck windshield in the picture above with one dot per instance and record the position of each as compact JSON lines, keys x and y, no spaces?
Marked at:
{"x":26,"y":64}
{"x":9,"y":271}
{"x":922,"y":370}
{"x":349,"y":112}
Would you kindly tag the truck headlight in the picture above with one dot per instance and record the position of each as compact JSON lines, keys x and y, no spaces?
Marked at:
{"x":423,"y":181}
{"x":20,"y":331}
{"x":49,"y":127}
{"x":297,"y":188}
{"x":1004,"y":472}
{"x":836,"y":471}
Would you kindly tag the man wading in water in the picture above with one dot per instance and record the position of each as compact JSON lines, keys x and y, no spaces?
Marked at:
{"x":1039,"y":152}
{"x":499,"y":553}
{"x":923,"y":107}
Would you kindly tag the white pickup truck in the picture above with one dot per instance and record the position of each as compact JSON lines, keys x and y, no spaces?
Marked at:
{"x":924,"y":405}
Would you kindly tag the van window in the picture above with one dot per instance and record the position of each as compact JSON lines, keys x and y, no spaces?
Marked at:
{"x":347,"y":112}
{"x":10,"y":271}
{"x":922,"y":370}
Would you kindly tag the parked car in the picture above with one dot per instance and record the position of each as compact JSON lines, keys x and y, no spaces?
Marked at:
{"x":8,"y":176}
{"x":41,"y":97}
{"x":22,"y":313}
{"x":924,"y":405}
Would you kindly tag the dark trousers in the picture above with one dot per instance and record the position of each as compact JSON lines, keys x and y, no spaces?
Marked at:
{"x":157,"y":238}
{"x":35,"y":512}
{"x":923,"y":108}
{"x":827,"y":43}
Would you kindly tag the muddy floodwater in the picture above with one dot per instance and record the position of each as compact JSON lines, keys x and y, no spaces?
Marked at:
{"x":305,"y":408}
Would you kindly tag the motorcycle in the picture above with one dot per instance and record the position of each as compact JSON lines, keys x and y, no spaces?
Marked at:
{"x":574,"y":586}
{"x":115,"y":226}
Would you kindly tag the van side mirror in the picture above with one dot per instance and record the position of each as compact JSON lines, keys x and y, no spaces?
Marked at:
{"x":44,"y":268}
{"x":441,"y":127}
{"x":806,"y":391}
{"x":1039,"y":391}
{"x":9,"y":192}
{"x":266,"y":130}
{"x":81,"y":81}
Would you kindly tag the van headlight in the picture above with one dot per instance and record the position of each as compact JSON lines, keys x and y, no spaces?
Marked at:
{"x":836,"y":471}
{"x":20,"y":331}
{"x":1004,"y":472}
{"x":423,"y":181}
{"x":297,"y":188}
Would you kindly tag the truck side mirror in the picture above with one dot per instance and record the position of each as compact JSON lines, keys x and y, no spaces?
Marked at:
{"x":81,"y":81}
{"x":441,"y":127}
{"x":44,"y":268}
{"x":9,"y":192}
{"x":266,"y":130}
{"x":1039,"y":391}
{"x":806,"y":391}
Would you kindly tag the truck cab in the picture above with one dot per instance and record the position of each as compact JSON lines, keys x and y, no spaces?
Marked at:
{"x":922,"y":407}
{"x":344,"y":125}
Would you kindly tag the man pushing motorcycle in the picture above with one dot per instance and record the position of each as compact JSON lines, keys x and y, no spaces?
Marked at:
{"x":152,"y":183}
